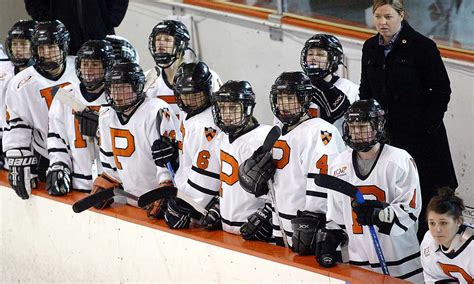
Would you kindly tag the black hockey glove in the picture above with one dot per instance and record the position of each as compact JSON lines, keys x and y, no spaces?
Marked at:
{"x":259,"y":225}
{"x":179,"y":214}
{"x":88,"y":122}
{"x":164,"y":151}
{"x":256,"y":171}
{"x":213,"y":220}
{"x":305,"y":227}
{"x":101,"y":183}
{"x":58,"y":179}
{"x":373,"y":212}
{"x":327,"y":242}
{"x":22,"y":173}
{"x":157,"y":209}
{"x":332,"y":101}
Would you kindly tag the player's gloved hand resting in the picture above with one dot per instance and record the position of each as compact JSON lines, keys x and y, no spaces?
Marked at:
{"x":256,"y":171}
{"x":327,"y":242}
{"x":259,"y":225}
{"x":164,"y":151}
{"x":179,"y":214}
{"x":58,"y":179}
{"x":88,"y":122}
{"x":212,"y":220}
{"x":22,"y":173}
{"x":305,"y":227}
{"x":373,"y":212}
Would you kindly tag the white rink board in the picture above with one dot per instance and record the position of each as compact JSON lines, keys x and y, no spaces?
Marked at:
{"x":43,"y":241}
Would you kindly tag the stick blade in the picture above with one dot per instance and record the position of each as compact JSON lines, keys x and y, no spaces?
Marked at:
{"x":336,"y":184}
{"x":156,"y":194}
{"x":271,"y":138}
{"x":92,"y":200}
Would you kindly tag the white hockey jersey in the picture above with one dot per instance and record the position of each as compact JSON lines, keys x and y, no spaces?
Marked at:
{"x":199,"y":168}
{"x":455,"y":264}
{"x":351,"y":90}
{"x":306,"y":150}
{"x":236,"y":204}
{"x":125,"y":148}
{"x":66,"y":143}
{"x":7,"y":71}
{"x":393,"y":179}
{"x":29,"y":97}
{"x":160,"y":88}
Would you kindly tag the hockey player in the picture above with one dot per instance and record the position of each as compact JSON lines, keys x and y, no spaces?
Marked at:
{"x":168,"y":43}
{"x":198,"y":173}
{"x":28,"y":99}
{"x":72,"y":137}
{"x":388,"y":179}
{"x":233,"y":107}
{"x":320,"y":58}
{"x":447,"y":249}
{"x":123,"y":49}
{"x":18,"y":49}
{"x":306,"y":147}
{"x":127,"y":129}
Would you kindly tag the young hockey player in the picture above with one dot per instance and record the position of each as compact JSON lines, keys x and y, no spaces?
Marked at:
{"x":447,"y":249}
{"x":388,"y":179}
{"x":72,"y":137}
{"x":233,"y":108}
{"x":18,"y":49}
{"x":127,"y":129}
{"x":320,"y":58}
{"x":29,"y":96}
{"x":168,"y":43}
{"x":306,"y":147}
{"x":198,"y":173}
{"x":123,"y":49}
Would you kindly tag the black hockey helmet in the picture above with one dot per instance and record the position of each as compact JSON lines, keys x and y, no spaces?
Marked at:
{"x":355,"y":136}
{"x":181,"y":37}
{"x":124,"y":86}
{"x":94,"y":77}
{"x":123,"y":49}
{"x":290,"y":96}
{"x":22,"y":30}
{"x":326,"y":42}
{"x":50,"y":33}
{"x":192,"y":87}
{"x":236,"y":116}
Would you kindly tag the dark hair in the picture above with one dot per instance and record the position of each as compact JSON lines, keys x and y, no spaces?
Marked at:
{"x":446,"y":202}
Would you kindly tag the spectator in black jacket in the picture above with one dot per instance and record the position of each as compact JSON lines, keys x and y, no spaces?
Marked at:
{"x":403,"y":70}
{"x":84,"y":19}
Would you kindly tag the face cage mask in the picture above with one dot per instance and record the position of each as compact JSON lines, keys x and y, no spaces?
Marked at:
{"x":318,"y":70}
{"x":56,"y":59}
{"x":288,"y":113}
{"x":192,"y":103}
{"x":238,"y":118}
{"x":165,"y":60}
{"x":26,"y":57}
{"x":124,"y":98}
{"x":98,"y":73}
{"x":364,"y":139}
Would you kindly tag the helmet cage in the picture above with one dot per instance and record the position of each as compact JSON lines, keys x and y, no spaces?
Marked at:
{"x":240,"y":118}
{"x":22,"y":30}
{"x":50,"y":33}
{"x":94,"y":50}
{"x":370,"y":138}
{"x":335,"y":53}
{"x":303,"y":95}
{"x":181,"y":40}
{"x":127,"y":100}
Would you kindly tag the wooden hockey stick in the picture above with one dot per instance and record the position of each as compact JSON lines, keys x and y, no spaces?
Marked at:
{"x":267,"y":146}
{"x":350,"y":190}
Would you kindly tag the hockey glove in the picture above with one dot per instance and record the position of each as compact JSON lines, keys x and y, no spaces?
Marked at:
{"x":88,"y":122}
{"x":327,"y":242}
{"x":373,"y":212}
{"x":164,"y":151}
{"x":305,"y":227}
{"x":103,"y":182}
{"x":332,"y":101}
{"x":22,"y":174}
{"x":58,"y":179}
{"x":259,"y":225}
{"x":256,"y":171}
{"x":179,"y":214}
{"x":158,"y":208}
{"x":212,"y":220}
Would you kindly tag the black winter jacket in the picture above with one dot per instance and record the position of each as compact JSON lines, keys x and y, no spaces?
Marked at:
{"x":84,"y":19}
{"x":412,"y":85}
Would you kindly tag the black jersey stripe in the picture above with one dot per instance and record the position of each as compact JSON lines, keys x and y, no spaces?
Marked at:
{"x":79,"y":176}
{"x":410,"y":274}
{"x":201,"y":189}
{"x":206,"y":173}
{"x":232,"y":223}
{"x":105,"y":153}
{"x":317,"y":194}
{"x":389,"y":263}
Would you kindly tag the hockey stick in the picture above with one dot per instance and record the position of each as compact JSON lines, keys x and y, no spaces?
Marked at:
{"x":70,"y":100}
{"x":159,"y":118}
{"x":350,"y":190}
{"x":267,"y":146}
